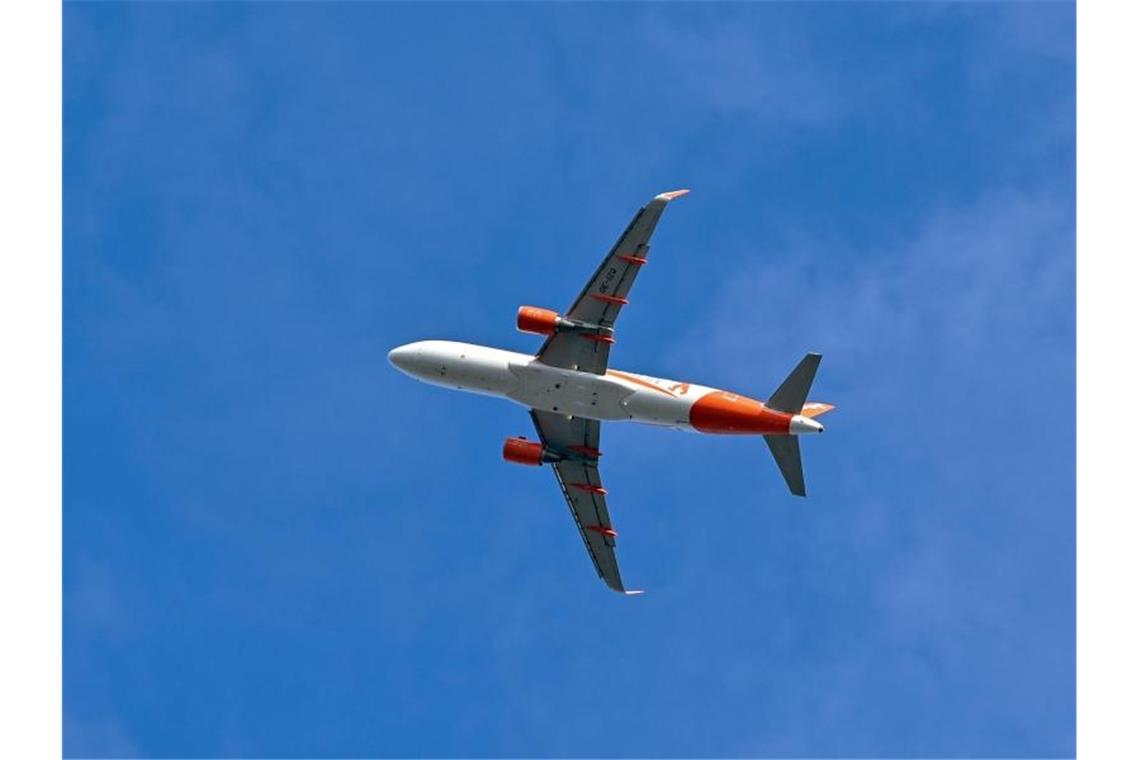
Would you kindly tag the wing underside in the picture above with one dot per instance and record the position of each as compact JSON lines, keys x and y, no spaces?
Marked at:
{"x":577,"y":439}
{"x":600,"y":302}
{"x":585,"y":347}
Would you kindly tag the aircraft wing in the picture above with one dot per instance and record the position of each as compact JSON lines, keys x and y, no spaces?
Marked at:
{"x":582,"y":486}
{"x":604,"y":295}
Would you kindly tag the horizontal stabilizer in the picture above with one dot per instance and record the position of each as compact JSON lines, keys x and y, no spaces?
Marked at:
{"x":786,"y":451}
{"x":815,"y":409}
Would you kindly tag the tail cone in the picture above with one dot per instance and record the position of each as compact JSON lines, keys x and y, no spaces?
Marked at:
{"x":801,"y":424}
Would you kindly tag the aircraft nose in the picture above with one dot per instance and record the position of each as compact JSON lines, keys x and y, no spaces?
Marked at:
{"x":403,"y":358}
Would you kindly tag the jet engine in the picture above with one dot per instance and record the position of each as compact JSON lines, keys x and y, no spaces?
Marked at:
{"x":532,"y":319}
{"x":521,"y":451}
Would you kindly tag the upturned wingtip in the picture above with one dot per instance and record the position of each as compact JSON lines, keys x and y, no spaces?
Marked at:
{"x":633,"y":593}
{"x":671,"y":195}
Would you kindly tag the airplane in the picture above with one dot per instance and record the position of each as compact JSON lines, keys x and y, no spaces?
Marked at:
{"x":570,"y":390}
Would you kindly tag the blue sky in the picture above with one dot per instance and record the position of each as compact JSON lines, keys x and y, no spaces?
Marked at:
{"x":277,"y":545}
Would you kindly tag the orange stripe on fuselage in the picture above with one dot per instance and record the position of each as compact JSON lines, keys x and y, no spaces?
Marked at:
{"x":728,"y":414}
{"x":638,"y":381}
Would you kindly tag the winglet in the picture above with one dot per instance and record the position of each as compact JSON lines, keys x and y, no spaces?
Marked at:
{"x":633,"y":593}
{"x":671,"y":195}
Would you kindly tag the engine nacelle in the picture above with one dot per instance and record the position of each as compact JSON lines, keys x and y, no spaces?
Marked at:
{"x":532,"y":319}
{"x":522,"y":451}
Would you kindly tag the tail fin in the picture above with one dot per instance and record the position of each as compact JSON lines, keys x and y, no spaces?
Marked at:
{"x":789,"y":398}
{"x":792,"y":393}
{"x":786,"y":451}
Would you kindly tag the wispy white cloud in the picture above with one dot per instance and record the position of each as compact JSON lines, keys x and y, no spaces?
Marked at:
{"x":97,"y":737}
{"x":996,"y":273}
{"x":961,"y":328}
{"x":94,"y":602}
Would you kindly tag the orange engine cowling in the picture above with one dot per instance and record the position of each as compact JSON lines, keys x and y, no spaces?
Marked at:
{"x":532,"y":319}
{"x":522,"y":451}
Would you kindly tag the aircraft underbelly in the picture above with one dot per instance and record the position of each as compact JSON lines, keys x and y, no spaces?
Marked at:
{"x":464,"y":367}
{"x":657,"y":409}
{"x":582,"y":394}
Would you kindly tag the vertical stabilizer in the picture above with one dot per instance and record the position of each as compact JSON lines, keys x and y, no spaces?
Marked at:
{"x":792,"y":393}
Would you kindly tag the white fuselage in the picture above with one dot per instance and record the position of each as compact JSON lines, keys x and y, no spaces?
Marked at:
{"x":524,"y":379}
{"x":527,"y":381}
